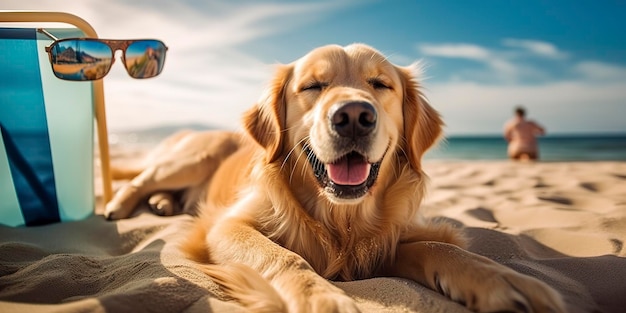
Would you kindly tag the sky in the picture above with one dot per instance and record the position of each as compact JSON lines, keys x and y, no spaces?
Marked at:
{"x":564,"y":61}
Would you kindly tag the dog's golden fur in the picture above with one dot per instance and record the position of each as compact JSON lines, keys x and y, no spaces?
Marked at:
{"x":325,"y":184}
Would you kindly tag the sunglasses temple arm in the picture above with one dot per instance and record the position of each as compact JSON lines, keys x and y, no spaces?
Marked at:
{"x":45,"y":32}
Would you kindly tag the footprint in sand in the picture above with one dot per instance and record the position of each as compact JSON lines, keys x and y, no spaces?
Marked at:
{"x":620,"y":176}
{"x":589,"y":186}
{"x":483,"y":215}
{"x":556,"y":199}
{"x":618,"y":244}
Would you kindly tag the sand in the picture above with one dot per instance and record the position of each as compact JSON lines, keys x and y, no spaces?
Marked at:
{"x":564,"y":223}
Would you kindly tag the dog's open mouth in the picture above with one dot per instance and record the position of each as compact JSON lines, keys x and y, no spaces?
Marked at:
{"x":349,"y":177}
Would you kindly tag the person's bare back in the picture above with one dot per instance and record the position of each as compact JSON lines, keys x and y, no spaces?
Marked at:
{"x":521,"y":135}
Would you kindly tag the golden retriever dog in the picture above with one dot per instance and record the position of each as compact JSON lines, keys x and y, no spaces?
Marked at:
{"x":324,"y":184}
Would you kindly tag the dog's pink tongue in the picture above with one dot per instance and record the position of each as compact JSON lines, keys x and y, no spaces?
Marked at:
{"x":350,"y":170}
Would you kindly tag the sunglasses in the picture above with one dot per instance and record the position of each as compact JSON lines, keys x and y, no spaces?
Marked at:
{"x":84,"y":59}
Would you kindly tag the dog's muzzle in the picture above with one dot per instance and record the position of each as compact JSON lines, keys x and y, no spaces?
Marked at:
{"x":351,"y":175}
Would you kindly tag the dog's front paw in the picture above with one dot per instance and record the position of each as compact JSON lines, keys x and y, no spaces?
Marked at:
{"x":495,"y":288}
{"x":123,"y":203}
{"x":334,"y":302}
{"x":317,"y":295}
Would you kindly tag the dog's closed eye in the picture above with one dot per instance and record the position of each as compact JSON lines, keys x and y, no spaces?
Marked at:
{"x":314,"y":86}
{"x":378,"y":83}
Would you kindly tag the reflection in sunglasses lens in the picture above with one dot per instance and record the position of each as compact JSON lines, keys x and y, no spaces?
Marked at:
{"x":81,"y":59}
{"x":84,"y":59}
{"x":145,"y":58}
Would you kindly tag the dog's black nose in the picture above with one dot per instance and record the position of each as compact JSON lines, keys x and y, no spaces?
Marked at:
{"x":354,"y":119}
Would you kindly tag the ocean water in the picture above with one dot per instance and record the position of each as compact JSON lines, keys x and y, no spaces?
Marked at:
{"x":552,"y":147}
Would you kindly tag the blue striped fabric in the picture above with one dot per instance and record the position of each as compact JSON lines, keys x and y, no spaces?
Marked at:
{"x":46,"y":128}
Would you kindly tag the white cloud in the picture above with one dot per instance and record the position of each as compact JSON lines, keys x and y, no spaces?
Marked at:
{"x":522,"y":64}
{"x":460,"y":50}
{"x":600,"y":71}
{"x":536,"y":47}
{"x":499,"y":66}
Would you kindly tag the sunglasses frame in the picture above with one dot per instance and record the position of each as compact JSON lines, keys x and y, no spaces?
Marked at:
{"x":113,"y":44}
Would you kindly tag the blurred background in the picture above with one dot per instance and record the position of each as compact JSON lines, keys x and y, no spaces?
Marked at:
{"x":564,"y":61}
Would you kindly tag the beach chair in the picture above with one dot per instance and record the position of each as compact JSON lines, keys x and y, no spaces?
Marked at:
{"x":47,"y":126}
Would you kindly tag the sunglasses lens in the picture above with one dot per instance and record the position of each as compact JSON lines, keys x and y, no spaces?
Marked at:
{"x":80,"y":60}
{"x":145,"y":58}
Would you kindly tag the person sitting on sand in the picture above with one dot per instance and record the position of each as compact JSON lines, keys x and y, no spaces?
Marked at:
{"x":521,"y":135}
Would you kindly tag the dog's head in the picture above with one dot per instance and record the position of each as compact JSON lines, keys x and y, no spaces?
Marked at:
{"x":349,"y":115}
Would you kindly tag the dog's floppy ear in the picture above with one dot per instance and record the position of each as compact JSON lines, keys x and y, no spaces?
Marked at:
{"x":265,"y":121}
{"x":422,"y":124}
